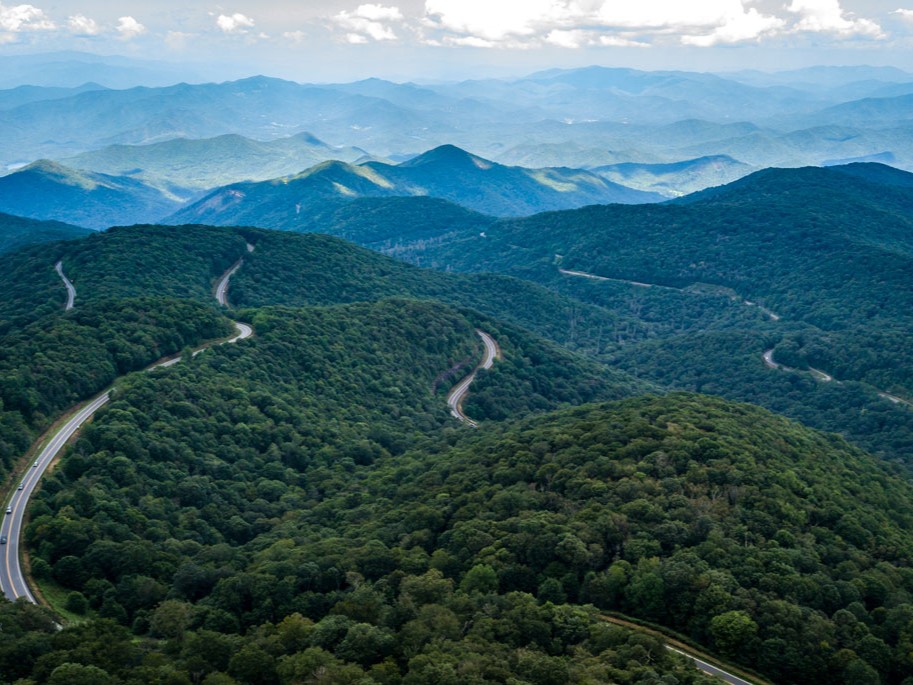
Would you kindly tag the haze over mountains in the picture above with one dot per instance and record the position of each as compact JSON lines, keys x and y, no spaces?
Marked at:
{"x":581,"y":118}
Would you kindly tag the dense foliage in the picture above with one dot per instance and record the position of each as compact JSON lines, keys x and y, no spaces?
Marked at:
{"x":59,"y":360}
{"x":782,"y":548}
{"x":829,"y":251}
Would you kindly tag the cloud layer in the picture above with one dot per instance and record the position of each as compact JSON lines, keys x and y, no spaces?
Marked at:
{"x":505,"y":24}
{"x":580,"y":23}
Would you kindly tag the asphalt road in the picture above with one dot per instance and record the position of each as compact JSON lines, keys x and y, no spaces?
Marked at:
{"x":222,"y":287}
{"x":12,"y":579}
{"x":711,"y":669}
{"x":459,"y":391}
{"x":71,"y":290}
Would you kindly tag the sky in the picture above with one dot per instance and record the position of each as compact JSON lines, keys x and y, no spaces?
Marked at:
{"x":338,"y":40}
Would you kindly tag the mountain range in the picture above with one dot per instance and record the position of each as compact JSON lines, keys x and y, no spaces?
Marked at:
{"x":446,"y":172}
{"x":577,"y":118}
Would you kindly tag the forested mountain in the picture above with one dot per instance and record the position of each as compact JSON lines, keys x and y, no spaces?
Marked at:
{"x":301,"y":504}
{"x":679,"y":178}
{"x":446,"y":172}
{"x":201,"y":165}
{"x":16,"y":232}
{"x":46,"y":190}
{"x":826,"y":251}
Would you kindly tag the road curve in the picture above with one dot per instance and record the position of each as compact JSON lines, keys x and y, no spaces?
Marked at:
{"x":12,"y":578}
{"x":222,"y":287}
{"x":71,"y":290}
{"x":459,"y":391}
{"x":221,"y":291}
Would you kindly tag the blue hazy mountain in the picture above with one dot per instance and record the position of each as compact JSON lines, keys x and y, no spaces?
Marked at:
{"x":446,"y":172}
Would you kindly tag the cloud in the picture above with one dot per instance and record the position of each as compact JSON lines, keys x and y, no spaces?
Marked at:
{"x":579,"y":23}
{"x":577,"y":38}
{"x":379,"y":13}
{"x":738,"y":28}
{"x":129,"y":28}
{"x":906,"y":15}
{"x":235,"y":23}
{"x":368,"y":22}
{"x":19,"y":18}
{"x":827,"y":16}
{"x":81,"y":25}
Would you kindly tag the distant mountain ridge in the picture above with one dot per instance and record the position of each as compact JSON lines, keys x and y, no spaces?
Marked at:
{"x":47,"y":190}
{"x":203,"y":164}
{"x":16,"y":232}
{"x":446,"y":172}
{"x":585,"y":117}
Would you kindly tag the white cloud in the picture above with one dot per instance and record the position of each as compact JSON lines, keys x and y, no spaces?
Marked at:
{"x":379,"y":13}
{"x":234,"y":23}
{"x":82,"y":25}
{"x":578,"y":38}
{"x":129,"y":28}
{"x":18,"y":18}
{"x":369,"y":22}
{"x":295,"y":36}
{"x":827,"y":16}
{"x":906,"y":15}
{"x":738,"y":28}
{"x":577,"y":23}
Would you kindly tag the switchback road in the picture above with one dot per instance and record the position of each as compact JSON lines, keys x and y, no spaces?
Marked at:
{"x":459,"y":391}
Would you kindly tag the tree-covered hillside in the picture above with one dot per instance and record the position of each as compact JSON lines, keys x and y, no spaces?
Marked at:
{"x":827,"y":253}
{"x":781,"y":548}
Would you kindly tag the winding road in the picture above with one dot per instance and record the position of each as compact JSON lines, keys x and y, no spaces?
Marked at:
{"x":768,"y":355}
{"x":460,"y":390}
{"x":71,"y":290}
{"x":12,"y":578}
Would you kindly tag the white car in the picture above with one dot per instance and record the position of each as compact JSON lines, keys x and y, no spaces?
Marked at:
{"x":9,"y":510}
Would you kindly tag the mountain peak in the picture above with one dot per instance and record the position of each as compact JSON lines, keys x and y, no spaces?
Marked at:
{"x":449,"y":155}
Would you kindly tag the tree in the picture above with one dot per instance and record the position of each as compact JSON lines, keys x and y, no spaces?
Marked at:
{"x":77,"y":674}
{"x":733,"y":631}
{"x":481,"y":578}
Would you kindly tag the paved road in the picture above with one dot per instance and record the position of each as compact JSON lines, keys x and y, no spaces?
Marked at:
{"x":222,"y":287}
{"x":221,"y":292}
{"x":710,"y":669}
{"x":459,"y":391}
{"x":71,"y":290}
{"x":12,"y":579}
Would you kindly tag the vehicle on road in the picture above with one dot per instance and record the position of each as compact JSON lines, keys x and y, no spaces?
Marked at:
{"x":21,"y":486}
{"x":9,"y":510}
{"x":2,"y":539}
{"x":35,"y":465}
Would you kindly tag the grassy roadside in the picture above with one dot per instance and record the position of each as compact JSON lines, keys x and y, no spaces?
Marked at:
{"x":682,"y":643}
